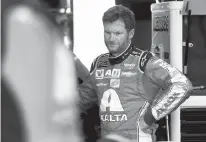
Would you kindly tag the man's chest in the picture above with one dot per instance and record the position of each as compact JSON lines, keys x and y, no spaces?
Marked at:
{"x":124,"y":78}
{"x":118,"y":87}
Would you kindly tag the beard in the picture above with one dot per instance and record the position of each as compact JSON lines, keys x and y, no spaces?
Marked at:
{"x":113,"y":48}
{"x":116,"y":48}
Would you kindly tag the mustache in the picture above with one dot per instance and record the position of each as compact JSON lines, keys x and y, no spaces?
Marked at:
{"x":111,"y":42}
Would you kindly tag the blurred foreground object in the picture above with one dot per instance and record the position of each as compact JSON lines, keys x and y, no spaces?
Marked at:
{"x":40,"y":72}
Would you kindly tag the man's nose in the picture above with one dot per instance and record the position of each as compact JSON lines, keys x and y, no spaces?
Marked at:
{"x":111,"y":37}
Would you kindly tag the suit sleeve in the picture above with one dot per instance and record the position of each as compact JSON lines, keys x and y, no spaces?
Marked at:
{"x":168,"y":88}
{"x":87,"y":92}
{"x":82,"y":71}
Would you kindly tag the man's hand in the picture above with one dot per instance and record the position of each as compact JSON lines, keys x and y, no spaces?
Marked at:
{"x":146,"y":128}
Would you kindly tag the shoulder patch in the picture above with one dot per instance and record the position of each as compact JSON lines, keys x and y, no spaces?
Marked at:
{"x":144,"y":58}
{"x":136,"y":51}
{"x":101,"y":64}
{"x":96,"y":64}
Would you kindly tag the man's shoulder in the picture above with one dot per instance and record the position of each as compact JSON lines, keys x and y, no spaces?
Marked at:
{"x":104,"y":56}
{"x":143,"y":57}
{"x":100,"y":58}
{"x":100,"y":61}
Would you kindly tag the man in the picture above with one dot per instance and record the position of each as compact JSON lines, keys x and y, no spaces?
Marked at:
{"x":133,"y":88}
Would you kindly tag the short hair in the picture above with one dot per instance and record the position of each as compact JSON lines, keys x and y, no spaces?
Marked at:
{"x":120,"y":12}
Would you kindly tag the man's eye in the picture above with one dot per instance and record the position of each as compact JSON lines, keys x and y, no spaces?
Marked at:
{"x":117,"y":33}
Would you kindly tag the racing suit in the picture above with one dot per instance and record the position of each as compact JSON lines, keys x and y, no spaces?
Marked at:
{"x":82,"y":71}
{"x":90,"y":133}
{"x":125,"y":85}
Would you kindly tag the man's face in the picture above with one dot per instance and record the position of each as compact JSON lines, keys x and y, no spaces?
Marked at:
{"x":116,"y":37}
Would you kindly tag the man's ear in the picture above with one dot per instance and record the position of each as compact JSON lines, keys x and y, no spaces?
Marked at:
{"x":131,"y":33}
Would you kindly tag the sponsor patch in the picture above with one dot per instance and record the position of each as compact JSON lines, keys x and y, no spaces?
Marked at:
{"x":115,"y":73}
{"x":144,"y":59}
{"x":171,"y":70}
{"x":102,"y":64}
{"x":167,"y":102}
{"x":111,"y":108}
{"x":115,"y":83}
{"x":128,"y":74}
{"x":116,"y":117}
{"x":101,"y":84}
{"x":129,"y":66}
{"x":99,"y":74}
{"x":136,"y":52}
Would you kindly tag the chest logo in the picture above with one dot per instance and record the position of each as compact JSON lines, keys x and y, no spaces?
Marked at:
{"x":115,"y":73}
{"x":111,"y":108}
{"x":115,"y":83}
{"x":102,"y":64}
{"x":99,"y":74}
{"x":128,"y":74}
{"x":129,"y":66}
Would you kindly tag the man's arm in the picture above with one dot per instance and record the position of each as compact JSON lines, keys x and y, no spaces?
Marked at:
{"x":167,"y":86}
{"x":82,"y":71}
{"x":87,"y":93}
